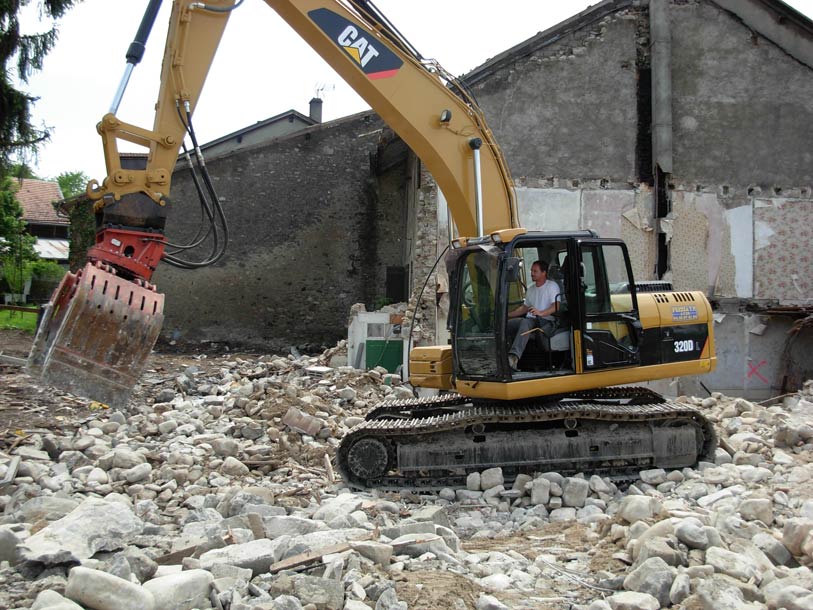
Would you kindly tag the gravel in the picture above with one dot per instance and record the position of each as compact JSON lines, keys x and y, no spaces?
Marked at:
{"x":217,"y":491}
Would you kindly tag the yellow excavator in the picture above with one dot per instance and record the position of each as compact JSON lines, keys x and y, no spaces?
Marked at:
{"x":559,"y":407}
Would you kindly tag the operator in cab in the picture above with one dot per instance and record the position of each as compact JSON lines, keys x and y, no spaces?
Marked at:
{"x":540,"y":303}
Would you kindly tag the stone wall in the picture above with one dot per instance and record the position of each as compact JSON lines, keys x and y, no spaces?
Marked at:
{"x":312,"y":233}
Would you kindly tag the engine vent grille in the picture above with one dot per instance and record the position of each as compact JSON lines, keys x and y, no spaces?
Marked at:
{"x":653,"y":286}
{"x":677,"y":297}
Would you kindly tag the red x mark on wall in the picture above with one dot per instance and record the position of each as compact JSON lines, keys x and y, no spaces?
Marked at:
{"x":754,"y":370}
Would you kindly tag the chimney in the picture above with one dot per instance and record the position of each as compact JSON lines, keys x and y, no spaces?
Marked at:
{"x":316,"y":109}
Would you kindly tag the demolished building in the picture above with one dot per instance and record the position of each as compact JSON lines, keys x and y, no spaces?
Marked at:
{"x":681,"y":126}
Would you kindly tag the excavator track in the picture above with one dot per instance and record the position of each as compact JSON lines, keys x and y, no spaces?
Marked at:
{"x":436,"y":442}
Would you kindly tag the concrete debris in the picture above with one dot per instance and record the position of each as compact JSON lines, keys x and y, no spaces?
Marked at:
{"x":218,"y":492}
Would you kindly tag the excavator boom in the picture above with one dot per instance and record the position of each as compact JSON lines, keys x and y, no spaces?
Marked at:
{"x":103,"y":321}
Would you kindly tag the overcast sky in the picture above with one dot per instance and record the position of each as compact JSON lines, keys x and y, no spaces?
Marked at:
{"x":262,"y":67}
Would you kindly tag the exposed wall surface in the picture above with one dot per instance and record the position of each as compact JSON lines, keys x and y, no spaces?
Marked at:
{"x":571,"y":110}
{"x":756,"y":356}
{"x":624,"y":214}
{"x":783,"y":241}
{"x":568,"y":110}
{"x":572,"y":119}
{"x":310,"y":236}
{"x":742,"y":106}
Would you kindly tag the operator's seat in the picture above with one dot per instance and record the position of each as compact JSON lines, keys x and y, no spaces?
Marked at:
{"x":558,"y":345}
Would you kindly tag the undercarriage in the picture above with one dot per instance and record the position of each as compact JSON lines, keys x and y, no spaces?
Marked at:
{"x":436,"y":442}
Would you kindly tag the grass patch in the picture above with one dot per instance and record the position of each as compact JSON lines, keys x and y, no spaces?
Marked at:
{"x":21,"y":320}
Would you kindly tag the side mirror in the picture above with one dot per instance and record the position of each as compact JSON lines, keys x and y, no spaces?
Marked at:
{"x":513,"y":269}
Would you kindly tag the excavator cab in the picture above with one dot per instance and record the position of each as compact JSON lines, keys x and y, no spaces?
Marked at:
{"x":596,"y":326}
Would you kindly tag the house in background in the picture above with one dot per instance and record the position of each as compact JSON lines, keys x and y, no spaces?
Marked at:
{"x":262,"y":131}
{"x":42,"y":221}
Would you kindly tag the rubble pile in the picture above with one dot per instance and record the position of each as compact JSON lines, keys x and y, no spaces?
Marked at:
{"x":218,"y":492}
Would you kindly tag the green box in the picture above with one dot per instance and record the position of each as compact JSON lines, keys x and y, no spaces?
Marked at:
{"x":388,"y":353}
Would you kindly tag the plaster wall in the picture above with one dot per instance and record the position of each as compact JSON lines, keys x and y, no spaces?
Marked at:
{"x":751,"y":359}
{"x":624,"y":214}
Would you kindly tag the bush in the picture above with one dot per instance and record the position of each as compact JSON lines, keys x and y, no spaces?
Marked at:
{"x":16,"y":275}
{"x":47,"y":270}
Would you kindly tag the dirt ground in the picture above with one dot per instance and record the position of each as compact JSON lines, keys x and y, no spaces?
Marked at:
{"x":28,"y":407}
{"x":25,"y":407}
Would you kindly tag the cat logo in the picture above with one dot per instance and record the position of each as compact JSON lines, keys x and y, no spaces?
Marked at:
{"x":374,"y":58}
{"x":356,"y":46}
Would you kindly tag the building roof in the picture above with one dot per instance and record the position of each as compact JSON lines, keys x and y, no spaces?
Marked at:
{"x":35,"y":197}
{"x":52,"y":249}
{"x":284,"y":116}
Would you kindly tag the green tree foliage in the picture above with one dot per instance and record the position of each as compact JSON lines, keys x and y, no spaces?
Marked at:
{"x":16,"y":246}
{"x":22,"y":171}
{"x":83,"y":223}
{"x":72,"y":183}
{"x":15,"y":243}
{"x":18,"y":136}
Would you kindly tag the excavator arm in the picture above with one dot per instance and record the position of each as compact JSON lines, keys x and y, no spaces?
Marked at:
{"x":103,"y":321}
{"x":423,"y":104}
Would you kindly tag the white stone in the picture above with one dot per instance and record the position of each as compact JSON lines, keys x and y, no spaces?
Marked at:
{"x":491,"y":478}
{"x":656,"y":476}
{"x":540,"y":491}
{"x":757,"y":509}
{"x":488,"y":602}
{"x":637,"y":508}
{"x":93,"y":526}
{"x":257,"y":555}
{"x":681,"y":588}
{"x":233,"y":467}
{"x":632,"y":600}
{"x":655,"y":577}
{"x":184,"y":591}
{"x":52,"y":599}
{"x":575,"y":491}
{"x":341,"y":505}
{"x":794,"y":533}
{"x":225,"y":447}
{"x":775,"y":550}
{"x":376,"y":552}
{"x":691,"y":533}
{"x":138,"y":473}
{"x":279,"y":525}
{"x":735,"y":565}
{"x":102,"y":591}
{"x":562,"y":514}
{"x":473,"y":481}
{"x":598,"y":485}
{"x":495,"y":582}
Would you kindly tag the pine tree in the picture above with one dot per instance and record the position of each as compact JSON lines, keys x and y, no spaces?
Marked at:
{"x":17,"y":135}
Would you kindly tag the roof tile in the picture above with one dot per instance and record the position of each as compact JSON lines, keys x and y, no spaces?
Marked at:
{"x":35,"y":197}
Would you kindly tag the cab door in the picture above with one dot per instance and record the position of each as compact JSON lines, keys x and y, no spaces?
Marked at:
{"x":610,"y":323}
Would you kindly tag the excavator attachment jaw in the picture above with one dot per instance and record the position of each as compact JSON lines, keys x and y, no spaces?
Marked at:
{"x":96,"y":334}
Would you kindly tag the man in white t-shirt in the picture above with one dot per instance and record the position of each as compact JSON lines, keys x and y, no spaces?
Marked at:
{"x":540,"y":301}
